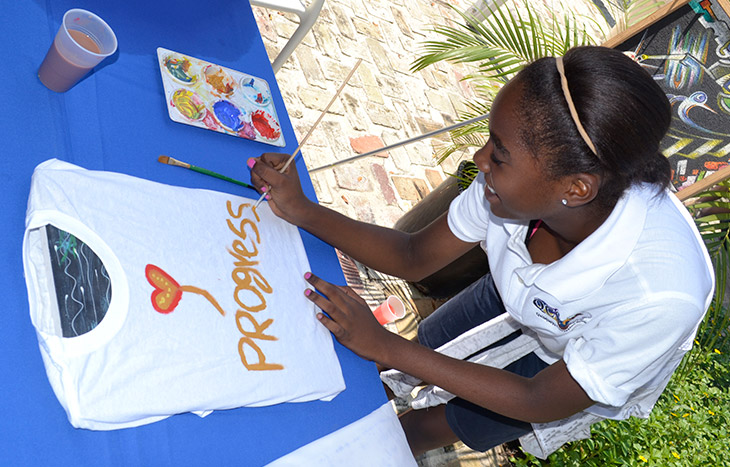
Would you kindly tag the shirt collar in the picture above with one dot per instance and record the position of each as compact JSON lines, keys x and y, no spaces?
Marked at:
{"x":592,"y":262}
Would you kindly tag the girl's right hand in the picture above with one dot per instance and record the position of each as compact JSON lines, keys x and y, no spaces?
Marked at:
{"x":349,"y":318}
{"x":284,"y":191}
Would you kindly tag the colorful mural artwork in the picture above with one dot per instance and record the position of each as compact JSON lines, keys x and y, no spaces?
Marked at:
{"x":688,"y":54}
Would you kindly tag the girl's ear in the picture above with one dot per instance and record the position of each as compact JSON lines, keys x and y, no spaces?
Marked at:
{"x":583,"y":188}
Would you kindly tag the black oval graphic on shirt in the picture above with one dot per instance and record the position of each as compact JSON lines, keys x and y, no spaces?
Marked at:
{"x":83,"y":288}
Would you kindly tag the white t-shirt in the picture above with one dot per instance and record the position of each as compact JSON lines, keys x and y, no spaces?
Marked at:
{"x":374,"y":440}
{"x":621,"y":308}
{"x":174,"y":300}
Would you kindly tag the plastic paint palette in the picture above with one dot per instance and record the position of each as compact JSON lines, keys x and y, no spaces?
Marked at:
{"x":207,"y":95}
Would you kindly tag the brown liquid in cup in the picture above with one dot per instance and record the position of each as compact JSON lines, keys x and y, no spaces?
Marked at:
{"x":59,"y":74}
{"x":84,"y":40}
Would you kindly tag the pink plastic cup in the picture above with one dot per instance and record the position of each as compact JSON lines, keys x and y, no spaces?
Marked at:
{"x":390,"y":310}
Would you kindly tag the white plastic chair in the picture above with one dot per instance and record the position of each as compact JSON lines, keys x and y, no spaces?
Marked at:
{"x":546,"y":437}
{"x":307,"y":16}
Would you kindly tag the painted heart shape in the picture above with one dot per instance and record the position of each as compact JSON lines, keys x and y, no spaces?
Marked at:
{"x":167,"y":291}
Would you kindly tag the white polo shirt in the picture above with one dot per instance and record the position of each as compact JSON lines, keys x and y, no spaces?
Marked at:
{"x":621,"y":308}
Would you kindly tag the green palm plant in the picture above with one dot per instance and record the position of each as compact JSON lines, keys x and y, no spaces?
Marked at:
{"x":497,"y":49}
{"x":625,"y":13}
{"x":508,"y":39}
{"x":712,"y":215}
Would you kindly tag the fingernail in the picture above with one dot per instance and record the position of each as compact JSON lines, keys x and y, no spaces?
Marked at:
{"x":268,"y":198}
{"x":264,"y":189}
{"x":251,"y":163}
{"x":308,"y":292}
{"x":307,"y":275}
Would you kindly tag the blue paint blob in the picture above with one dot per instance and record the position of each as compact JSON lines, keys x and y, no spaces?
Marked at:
{"x":228,"y":114}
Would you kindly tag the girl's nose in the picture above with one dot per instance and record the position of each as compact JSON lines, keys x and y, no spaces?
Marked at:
{"x":481,"y":159}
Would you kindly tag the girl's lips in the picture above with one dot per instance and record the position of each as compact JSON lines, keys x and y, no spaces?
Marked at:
{"x":489,"y":192}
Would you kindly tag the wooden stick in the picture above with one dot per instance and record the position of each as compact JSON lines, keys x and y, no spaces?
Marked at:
{"x":702,"y":185}
{"x":403,"y":143}
{"x":311,"y":129}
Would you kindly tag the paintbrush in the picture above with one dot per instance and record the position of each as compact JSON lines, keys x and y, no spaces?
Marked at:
{"x":170,"y":161}
{"x":311,"y":129}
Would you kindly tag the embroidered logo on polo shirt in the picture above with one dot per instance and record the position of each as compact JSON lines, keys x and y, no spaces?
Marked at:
{"x":552,"y":316}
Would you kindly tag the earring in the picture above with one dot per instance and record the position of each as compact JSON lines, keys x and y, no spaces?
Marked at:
{"x":565,"y":202}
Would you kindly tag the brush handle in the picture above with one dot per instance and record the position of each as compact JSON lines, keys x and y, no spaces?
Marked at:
{"x":321,"y":116}
{"x":222,"y":177}
{"x":311,"y":129}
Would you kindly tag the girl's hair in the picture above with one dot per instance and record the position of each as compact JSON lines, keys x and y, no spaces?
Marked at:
{"x":623,"y":110}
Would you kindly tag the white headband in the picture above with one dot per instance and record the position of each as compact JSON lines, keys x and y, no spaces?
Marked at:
{"x":571,"y":105}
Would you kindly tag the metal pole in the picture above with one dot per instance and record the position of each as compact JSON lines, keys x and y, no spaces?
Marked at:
{"x":404,"y":142}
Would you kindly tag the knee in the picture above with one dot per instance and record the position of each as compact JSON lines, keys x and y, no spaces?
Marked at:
{"x":427,"y":429}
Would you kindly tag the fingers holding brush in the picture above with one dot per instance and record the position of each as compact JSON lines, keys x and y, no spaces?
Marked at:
{"x":265,"y":171}
{"x":266,"y":168}
{"x":283,"y":189}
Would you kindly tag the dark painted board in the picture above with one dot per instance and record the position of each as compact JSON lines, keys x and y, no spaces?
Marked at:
{"x":689,"y":57}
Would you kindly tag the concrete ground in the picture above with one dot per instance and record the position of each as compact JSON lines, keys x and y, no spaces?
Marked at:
{"x":383,"y":103}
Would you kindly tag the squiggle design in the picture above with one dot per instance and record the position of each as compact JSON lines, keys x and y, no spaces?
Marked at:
{"x":81,"y":304}
{"x":89,"y":279}
{"x":83,"y":287}
{"x":554,"y":315}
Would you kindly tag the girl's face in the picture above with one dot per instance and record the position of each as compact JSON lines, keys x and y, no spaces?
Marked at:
{"x":516,"y":185}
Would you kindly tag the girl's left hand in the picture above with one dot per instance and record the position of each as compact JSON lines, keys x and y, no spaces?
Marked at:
{"x":350,"y":318}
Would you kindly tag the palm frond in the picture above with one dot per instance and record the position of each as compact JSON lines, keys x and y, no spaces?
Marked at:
{"x":473,"y":136}
{"x":466,"y":173}
{"x":496,"y":48}
{"x":640,"y":9}
{"x":504,"y":42}
{"x":463,"y":142}
{"x":628,"y":13}
{"x":711,"y":211}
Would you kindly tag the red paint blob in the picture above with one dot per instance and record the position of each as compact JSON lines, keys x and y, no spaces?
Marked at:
{"x":262,"y":122}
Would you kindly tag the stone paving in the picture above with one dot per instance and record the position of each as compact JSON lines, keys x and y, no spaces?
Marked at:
{"x":383,"y":103}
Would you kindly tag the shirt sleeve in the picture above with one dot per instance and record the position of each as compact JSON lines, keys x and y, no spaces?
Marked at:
{"x":632,"y":347}
{"x":469,"y":212}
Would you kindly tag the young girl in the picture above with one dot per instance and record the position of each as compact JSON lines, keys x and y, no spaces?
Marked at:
{"x":586,"y":246}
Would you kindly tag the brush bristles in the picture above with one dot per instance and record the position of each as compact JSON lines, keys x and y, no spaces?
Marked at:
{"x":171,"y":161}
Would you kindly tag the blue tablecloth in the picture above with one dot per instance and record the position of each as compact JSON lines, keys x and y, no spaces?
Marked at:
{"x":116,"y":120}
